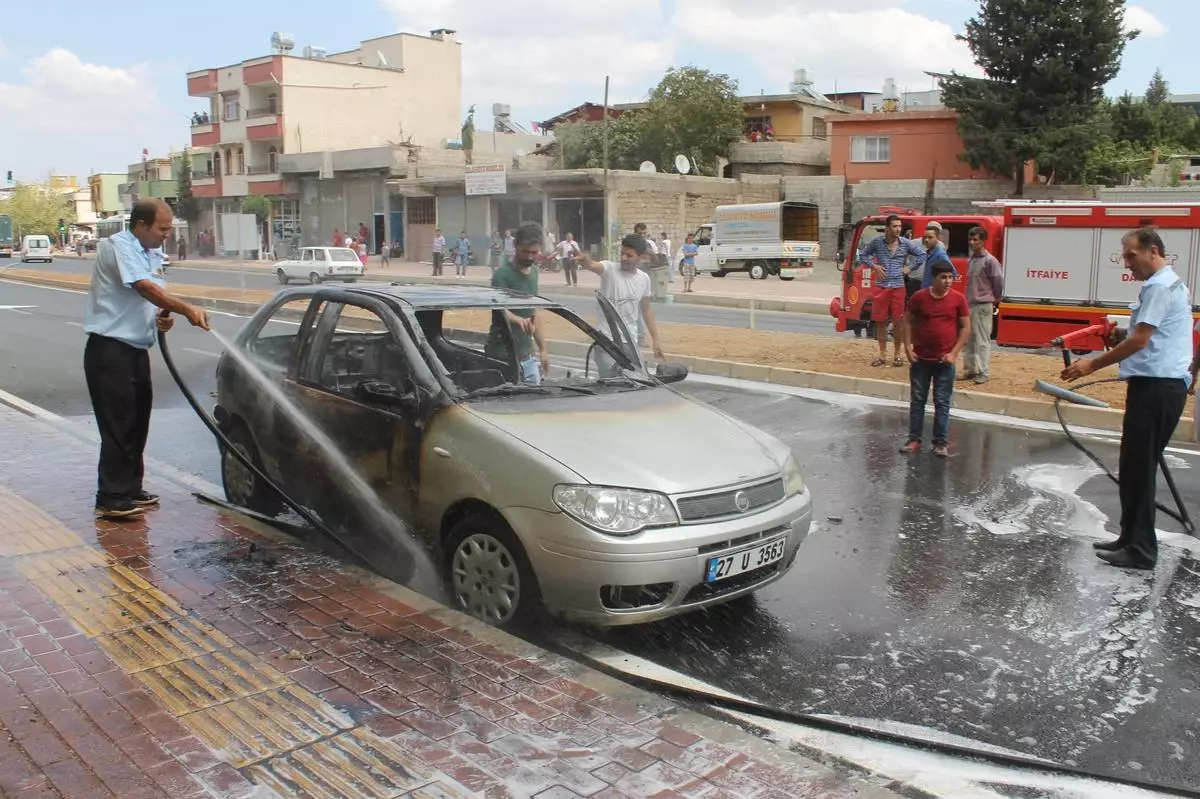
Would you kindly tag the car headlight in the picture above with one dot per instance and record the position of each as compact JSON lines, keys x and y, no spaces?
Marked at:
{"x":793,"y":479}
{"x":617,"y":511}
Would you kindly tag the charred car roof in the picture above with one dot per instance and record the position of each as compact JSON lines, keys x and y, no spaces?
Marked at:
{"x":428,"y":296}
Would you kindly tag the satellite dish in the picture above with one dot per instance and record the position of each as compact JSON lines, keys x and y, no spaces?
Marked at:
{"x":648,"y":166}
{"x":681,"y":164}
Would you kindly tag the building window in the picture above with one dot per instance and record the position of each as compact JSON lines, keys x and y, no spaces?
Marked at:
{"x":422,"y":210}
{"x":819,"y":129}
{"x":757,"y":127}
{"x":229,"y":162}
{"x":870,"y":149}
{"x":273,"y":103}
{"x":272,"y":160}
{"x":214,"y":166}
{"x":241,"y":161}
{"x":232,"y":112}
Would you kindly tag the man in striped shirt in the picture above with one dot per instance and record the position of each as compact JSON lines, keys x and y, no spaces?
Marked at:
{"x":886,"y":255}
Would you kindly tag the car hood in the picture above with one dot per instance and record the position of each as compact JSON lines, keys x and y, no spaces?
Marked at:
{"x":653,"y":439}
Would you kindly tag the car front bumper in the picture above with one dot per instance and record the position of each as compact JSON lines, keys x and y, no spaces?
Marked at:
{"x":576,"y":567}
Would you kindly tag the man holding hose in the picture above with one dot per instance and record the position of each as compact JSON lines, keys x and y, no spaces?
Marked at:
{"x":127,"y":304}
{"x":1155,"y":356}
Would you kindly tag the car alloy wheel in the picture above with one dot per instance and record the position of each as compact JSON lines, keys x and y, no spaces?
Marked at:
{"x":485,"y":578}
{"x":282,"y":276}
{"x":314,"y":278}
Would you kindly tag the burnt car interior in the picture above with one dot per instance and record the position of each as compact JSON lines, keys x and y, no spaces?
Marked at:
{"x":470,"y":369}
{"x":351,"y":359}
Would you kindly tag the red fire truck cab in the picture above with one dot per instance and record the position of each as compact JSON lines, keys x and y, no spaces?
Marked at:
{"x":852,"y":309}
{"x":1063,"y":267}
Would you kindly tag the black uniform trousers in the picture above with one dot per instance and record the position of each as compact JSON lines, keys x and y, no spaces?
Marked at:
{"x":1153,"y":406}
{"x":118,"y":381}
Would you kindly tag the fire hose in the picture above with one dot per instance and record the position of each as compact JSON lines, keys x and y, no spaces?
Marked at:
{"x":728,"y":703}
{"x":1104,"y":330}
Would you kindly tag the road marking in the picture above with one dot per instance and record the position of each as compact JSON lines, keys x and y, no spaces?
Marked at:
{"x":201,"y":352}
{"x":18,"y":309}
{"x":75,"y":324}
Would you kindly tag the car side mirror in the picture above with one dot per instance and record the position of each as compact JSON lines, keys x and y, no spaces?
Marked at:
{"x":671,"y":372}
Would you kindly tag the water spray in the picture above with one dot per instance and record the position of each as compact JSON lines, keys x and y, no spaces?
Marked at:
{"x":1103,"y":331}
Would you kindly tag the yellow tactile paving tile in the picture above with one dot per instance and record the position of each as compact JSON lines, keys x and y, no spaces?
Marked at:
{"x":202,"y":682}
{"x":26,"y":529}
{"x":357,"y":763}
{"x":155,"y":645}
{"x":265,"y":725}
{"x":122,"y":611}
{"x":79,"y":575}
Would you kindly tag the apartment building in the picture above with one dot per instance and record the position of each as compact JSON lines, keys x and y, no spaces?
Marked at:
{"x":105,"y":188}
{"x":392,"y":89}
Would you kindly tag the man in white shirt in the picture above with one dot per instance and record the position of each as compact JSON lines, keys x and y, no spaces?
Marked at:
{"x":567,"y":250}
{"x":627,"y":287}
{"x":666,"y":248}
{"x":439,"y":251}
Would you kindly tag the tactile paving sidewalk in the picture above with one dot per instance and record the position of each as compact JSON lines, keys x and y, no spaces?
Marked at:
{"x":169,"y":657}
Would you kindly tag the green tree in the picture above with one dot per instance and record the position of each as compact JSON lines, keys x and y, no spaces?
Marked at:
{"x":1046,"y":62}
{"x":187,"y":206}
{"x":691,"y":111}
{"x":694,"y":112}
{"x":36,"y":210}
{"x":259,"y":206}
{"x":1157,"y":91}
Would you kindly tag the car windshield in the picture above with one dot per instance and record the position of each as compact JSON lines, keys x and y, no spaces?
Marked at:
{"x":343,"y":255}
{"x":488,"y":353}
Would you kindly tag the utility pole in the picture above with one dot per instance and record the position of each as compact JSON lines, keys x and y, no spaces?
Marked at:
{"x":607,"y":222}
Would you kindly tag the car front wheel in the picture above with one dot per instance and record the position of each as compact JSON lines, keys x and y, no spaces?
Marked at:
{"x":314,"y":278}
{"x":242,"y":486}
{"x":487,"y":572}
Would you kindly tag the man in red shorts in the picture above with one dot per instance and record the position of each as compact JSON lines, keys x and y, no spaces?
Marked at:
{"x":937,"y":325}
{"x":886,"y":255}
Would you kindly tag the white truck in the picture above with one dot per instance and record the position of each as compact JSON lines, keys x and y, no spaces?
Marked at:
{"x":762,"y":239}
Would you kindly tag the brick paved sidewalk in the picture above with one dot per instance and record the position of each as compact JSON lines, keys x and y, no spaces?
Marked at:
{"x":192,"y":655}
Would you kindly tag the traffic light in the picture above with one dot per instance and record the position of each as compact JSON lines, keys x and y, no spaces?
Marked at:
{"x":9,"y":178}
{"x":61,"y":225}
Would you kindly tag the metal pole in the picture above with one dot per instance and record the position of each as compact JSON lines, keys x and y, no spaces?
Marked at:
{"x":607,"y":221}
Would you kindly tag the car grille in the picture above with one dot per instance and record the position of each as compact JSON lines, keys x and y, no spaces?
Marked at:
{"x":724,"y":503}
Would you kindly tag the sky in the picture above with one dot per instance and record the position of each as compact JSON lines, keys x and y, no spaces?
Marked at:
{"x":110,"y":80}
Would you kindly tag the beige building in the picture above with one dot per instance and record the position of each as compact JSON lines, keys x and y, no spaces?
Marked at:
{"x":105,"y":189}
{"x":401,"y":88}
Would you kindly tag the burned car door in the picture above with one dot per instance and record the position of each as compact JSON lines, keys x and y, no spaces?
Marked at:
{"x":358,"y":383}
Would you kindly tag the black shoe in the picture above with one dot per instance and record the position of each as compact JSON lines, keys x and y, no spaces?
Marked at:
{"x":144,"y":499}
{"x":1108,"y":546}
{"x":117,"y":509}
{"x":1124,"y":559}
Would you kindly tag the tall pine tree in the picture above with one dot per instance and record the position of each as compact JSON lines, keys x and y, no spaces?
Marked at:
{"x":186,"y":204}
{"x":1157,"y":91}
{"x":1046,"y":63}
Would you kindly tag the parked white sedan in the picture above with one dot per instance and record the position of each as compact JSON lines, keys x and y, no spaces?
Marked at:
{"x":318,"y":264}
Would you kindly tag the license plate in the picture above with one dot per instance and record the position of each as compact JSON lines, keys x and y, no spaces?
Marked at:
{"x":747,"y":560}
{"x":347,"y":268}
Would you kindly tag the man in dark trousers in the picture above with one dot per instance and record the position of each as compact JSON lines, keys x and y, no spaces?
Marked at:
{"x":1155,"y":355}
{"x":936,"y":326}
{"x":122,"y":318}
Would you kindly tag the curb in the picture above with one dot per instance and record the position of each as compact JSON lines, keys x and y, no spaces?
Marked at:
{"x":1109,"y":419}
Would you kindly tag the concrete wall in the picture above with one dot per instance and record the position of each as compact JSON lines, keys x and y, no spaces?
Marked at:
{"x":804,"y":157}
{"x":375,"y":105}
{"x":1139,"y":194}
{"x":676,"y":204}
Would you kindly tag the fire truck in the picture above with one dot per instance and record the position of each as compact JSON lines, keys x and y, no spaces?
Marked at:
{"x":1063,"y":268}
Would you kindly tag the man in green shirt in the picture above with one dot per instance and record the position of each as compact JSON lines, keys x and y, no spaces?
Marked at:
{"x":520,"y":275}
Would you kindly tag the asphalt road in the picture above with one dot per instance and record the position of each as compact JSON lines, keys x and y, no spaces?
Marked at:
{"x":956,"y":596}
{"x":688,"y":314}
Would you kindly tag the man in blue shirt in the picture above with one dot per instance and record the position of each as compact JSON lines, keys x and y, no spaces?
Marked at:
{"x":1155,"y":356}
{"x":887,"y":255}
{"x":122,"y":318}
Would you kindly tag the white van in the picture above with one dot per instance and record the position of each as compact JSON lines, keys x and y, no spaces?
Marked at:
{"x":36,"y":248}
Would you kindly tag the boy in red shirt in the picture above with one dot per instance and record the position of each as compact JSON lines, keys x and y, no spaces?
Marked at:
{"x":937,"y":324}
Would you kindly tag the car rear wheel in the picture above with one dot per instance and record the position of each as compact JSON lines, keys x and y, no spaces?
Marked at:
{"x":719,"y":273}
{"x":242,"y":486}
{"x":758,"y":270}
{"x":487,"y":572}
{"x":314,"y":278}
{"x":282,"y":277}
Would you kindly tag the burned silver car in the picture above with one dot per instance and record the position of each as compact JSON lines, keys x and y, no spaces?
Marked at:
{"x":598,"y":492}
